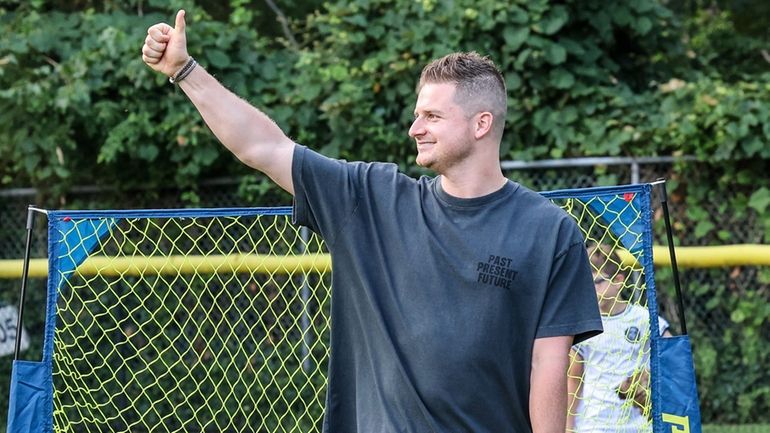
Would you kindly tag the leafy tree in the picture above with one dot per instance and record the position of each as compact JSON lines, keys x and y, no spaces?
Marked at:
{"x":585,"y":77}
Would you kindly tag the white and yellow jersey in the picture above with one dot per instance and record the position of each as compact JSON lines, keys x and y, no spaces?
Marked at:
{"x":620,"y":351}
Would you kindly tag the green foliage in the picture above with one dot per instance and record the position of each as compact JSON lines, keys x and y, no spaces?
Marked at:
{"x":585,"y":78}
{"x":732,"y":370}
{"x":730,"y":341}
{"x":748,"y":428}
{"x":566,"y":83}
{"x":721,"y":48}
{"x":79,"y":106}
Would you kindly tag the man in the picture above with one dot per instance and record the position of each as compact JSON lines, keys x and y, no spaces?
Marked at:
{"x":608,"y":378}
{"x":456,"y":298}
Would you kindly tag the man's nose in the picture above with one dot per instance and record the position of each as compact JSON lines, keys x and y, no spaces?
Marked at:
{"x":416,"y":128}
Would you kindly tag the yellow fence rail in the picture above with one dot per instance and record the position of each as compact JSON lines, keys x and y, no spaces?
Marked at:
{"x":173,"y":265}
{"x":687,"y":257}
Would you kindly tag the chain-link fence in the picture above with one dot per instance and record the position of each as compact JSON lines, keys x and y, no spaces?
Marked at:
{"x":709,"y":321}
{"x":540,"y":176}
{"x":697,"y":283}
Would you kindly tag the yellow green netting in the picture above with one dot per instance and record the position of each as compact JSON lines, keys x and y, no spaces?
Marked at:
{"x":145,"y":343}
{"x":221,"y":324}
{"x":612,"y":381}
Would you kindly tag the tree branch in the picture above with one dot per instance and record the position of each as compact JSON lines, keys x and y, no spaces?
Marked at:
{"x":284,"y":23}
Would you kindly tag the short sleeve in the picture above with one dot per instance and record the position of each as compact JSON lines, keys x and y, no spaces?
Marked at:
{"x":570,"y":306}
{"x":325,"y":192}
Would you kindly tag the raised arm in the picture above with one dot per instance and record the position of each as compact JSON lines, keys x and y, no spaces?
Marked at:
{"x":247,"y":132}
{"x":548,"y":384}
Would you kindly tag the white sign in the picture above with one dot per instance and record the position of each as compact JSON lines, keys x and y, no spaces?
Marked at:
{"x":8,"y":318}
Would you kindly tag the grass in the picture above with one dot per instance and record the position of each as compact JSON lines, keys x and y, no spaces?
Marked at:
{"x":745,"y":428}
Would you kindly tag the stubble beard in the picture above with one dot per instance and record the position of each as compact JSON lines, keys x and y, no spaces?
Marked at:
{"x":425,"y":162}
{"x":442,"y":162}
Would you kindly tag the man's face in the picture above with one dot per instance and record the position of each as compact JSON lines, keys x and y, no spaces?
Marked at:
{"x":441,"y":128}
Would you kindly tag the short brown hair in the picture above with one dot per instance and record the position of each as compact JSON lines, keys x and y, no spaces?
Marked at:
{"x":480,"y":85}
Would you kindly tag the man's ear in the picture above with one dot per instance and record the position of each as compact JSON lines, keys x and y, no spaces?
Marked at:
{"x":619,"y":278}
{"x":483,"y":124}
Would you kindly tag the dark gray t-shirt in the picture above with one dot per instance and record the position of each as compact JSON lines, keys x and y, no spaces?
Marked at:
{"x":437,"y":300}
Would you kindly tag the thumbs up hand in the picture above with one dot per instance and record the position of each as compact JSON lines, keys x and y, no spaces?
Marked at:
{"x":165,"y":48}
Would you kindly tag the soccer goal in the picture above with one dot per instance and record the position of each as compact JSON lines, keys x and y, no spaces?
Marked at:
{"x":217,"y":320}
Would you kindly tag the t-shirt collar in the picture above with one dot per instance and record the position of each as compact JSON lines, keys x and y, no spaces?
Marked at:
{"x":453,"y":201}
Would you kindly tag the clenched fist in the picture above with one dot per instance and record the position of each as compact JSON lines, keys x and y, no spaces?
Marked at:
{"x":165,"y":48}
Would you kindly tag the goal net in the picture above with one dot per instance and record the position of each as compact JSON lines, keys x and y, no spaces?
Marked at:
{"x":188,"y":322}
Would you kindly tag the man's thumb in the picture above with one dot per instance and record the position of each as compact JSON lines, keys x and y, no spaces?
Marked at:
{"x":179,"y":24}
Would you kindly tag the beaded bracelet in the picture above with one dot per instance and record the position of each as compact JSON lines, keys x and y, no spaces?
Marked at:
{"x":184,"y":72}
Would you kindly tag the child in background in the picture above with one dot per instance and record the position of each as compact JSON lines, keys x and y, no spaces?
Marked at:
{"x":608,"y":378}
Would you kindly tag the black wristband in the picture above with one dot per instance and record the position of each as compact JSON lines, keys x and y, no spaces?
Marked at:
{"x":184,"y":72}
